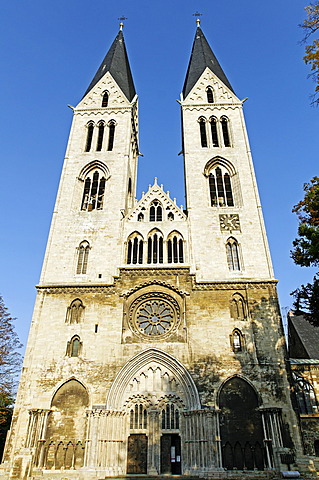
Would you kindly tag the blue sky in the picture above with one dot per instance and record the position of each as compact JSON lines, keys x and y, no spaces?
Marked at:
{"x":50,"y":52}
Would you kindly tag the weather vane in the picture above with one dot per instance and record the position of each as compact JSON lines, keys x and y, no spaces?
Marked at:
{"x":197,"y":14}
{"x":122,"y":18}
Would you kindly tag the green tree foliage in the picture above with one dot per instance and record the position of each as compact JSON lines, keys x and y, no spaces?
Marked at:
{"x":306,"y":250}
{"x":311,"y":25}
{"x":10,"y":362}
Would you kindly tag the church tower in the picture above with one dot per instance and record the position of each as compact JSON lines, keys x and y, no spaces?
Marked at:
{"x":223,"y":205}
{"x":156,"y":346}
{"x":98,"y":182}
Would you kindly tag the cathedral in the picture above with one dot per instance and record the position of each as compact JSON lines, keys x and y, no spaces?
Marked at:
{"x":156,"y":345}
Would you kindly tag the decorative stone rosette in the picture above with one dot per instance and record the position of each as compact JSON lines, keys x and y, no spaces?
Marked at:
{"x":154,"y":316}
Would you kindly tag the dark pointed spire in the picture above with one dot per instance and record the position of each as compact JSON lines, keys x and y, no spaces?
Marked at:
{"x":202,"y":56}
{"x":116,"y":62}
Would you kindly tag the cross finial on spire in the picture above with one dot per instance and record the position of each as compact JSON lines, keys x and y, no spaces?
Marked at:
{"x":122,"y":18}
{"x":197,"y":14}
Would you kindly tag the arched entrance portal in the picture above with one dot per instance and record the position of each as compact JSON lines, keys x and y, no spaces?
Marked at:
{"x":155,"y":391}
{"x":241,"y":426}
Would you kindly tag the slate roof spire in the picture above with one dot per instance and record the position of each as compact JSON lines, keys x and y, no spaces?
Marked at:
{"x":202,"y":56}
{"x":116,"y":62}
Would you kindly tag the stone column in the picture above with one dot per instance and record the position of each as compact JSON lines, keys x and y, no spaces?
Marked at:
{"x":271,"y":419}
{"x":153,"y":454}
{"x":92,"y":438}
{"x":202,"y":450}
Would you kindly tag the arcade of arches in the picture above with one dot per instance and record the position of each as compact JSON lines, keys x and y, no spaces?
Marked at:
{"x":154,"y":419}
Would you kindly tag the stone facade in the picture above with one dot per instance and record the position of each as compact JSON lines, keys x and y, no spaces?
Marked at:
{"x":303,"y":342}
{"x":156,"y":345}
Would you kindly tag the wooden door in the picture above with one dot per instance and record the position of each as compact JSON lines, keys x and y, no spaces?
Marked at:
{"x":137,"y":453}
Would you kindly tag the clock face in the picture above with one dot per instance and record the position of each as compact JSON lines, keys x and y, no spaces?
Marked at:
{"x":154,"y":316}
{"x":229,"y":222}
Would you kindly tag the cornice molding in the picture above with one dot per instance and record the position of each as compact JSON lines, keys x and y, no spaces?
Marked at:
{"x":149,"y":272}
{"x":219,"y":106}
{"x":101,"y":111}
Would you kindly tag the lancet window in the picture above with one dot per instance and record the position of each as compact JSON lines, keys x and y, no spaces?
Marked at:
{"x":89,"y":136}
{"x":93,"y":194}
{"x":135,"y":246}
{"x":225,"y":130}
{"x":175,"y":248}
{"x":138,"y":417}
{"x":210,"y":95}
{"x":214,"y":131}
{"x":170,"y":417}
{"x":105,"y":99}
{"x":74,"y":311}
{"x":74,"y":346}
{"x":111,"y":126}
{"x":100,"y":136}
{"x":155,"y":248}
{"x":232,"y":250}
{"x":237,"y":307}
{"x":83,"y":255}
{"x":305,"y":394}
{"x":237,"y":340}
{"x":156,"y":211}
{"x":202,"y":131}
{"x":220,"y":188}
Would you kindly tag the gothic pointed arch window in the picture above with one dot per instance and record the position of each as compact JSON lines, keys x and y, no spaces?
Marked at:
{"x":210,"y":95}
{"x":89,"y":136}
{"x":100,"y":136}
{"x":74,"y":311}
{"x":306,"y":397}
{"x":155,"y":247}
{"x":232,"y":250}
{"x":238,"y":307}
{"x":156,"y":211}
{"x":237,"y":340}
{"x":111,"y":126}
{"x":74,"y":346}
{"x":225,"y":129}
{"x":214,"y":131}
{"x":105,"y":99}
{"x":202,"y":131}
{"x":175,"y":248}
{"x":220,"y":188}
{"x":138,"y":417}
{"x":83,"y":256}
{"x":93,"y":193}
{"x":135,"y":246}
{"x":170,"y":417}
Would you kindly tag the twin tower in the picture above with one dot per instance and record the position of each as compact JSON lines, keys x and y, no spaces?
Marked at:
{"x":156,"y":344}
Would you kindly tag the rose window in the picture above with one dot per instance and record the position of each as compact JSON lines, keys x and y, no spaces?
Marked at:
{"x":154,"y":317}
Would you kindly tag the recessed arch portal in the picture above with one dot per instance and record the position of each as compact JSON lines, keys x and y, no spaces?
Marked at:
{"x":160,"y":363}
{"x":241,"y":427}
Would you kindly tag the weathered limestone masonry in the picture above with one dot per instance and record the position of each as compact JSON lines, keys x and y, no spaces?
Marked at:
{"x":156,"y":346}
